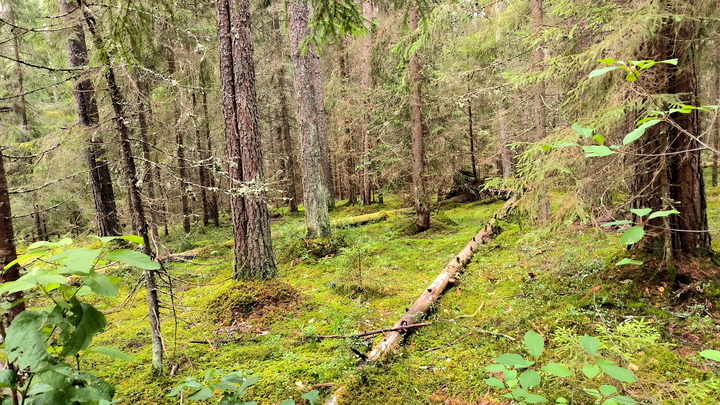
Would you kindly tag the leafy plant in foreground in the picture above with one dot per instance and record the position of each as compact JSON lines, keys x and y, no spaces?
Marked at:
{"x":43,"y":344}
{"x":519,"y":377}
{"x":231,"y":386}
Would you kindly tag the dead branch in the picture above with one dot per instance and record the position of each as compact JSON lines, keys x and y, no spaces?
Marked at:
{"x":375,"y":332}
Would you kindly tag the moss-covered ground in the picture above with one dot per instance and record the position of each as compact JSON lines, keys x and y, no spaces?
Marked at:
{"x":560,"y":282}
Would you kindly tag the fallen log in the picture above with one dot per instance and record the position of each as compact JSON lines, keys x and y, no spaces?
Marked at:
{"x":422,"y":305}
{"x":366,"y":218}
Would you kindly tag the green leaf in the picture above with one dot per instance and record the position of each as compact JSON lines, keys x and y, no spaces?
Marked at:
{"x":101,"y":284}
{"x":518,"y":392}
{"x":133,"y":258}
{"x":534,"y":343}
{"x":632,"y":76}
{"x":15,"y":286}
{"x":641,"y":212}
{"x":561,"y":400}
{"x":669,"y":61}
{"x":558,"y":370}
{"x":710,"y":354}
{"x":659,"y":214}
{"x":133,"y":238}
{"x":607,"y":390}
{"x":25,"y":343}
{"x":601,"y":71}
{"x":599,"y":139}
{"x":535,"y":399}
{"x":494,"y":382}
{"x":199,"y":395}
{"x":311,"y":396}
{"x":590,"y":344}
{"x":585,"y":132}
{"x":602,"y":362}
{"x":513,"y":360}
{"x":597,"y":151}
{"x":609,"y":401}
{"x":632,"y":235}
{"x":628,"y":261}
{"x":619,"y":373}
{"x":607,"y":61}
{"x":110,"y":352}
{"x":8,"y":378}
{"x":621,"y":222}
{"x":287,"y":402}
{"x":638,"y":132}
{"x":625,"y":400}
{"x":76,"y":261}
{"x":529,"y":379}
{"x":510,"y":375}
{"x":87,"y":322}
{"x":592,"y":392}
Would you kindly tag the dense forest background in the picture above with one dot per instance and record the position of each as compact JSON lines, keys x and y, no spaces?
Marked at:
{"x":178,"y":120}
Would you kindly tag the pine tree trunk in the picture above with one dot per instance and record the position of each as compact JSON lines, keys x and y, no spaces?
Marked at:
{"x":316,"y":194}
{"x":536,"y":14}
{"x":180,"y":154}
{"x":208,"y":161}
{"x":422,"y":201}
{"x":366,"y":85}
{"x":136,"y":206}
{"x":288,"y":163}
{"x":471,"y":134}
{"x":251,"y":220}
{"x":671,"y":169}
{"x":22,"y":105}
{"x":715,"y":134}
{"x":148,"y":187}
{"x":202,"y":169}
{"x":98,"y":170}
{"x":7,"y":249}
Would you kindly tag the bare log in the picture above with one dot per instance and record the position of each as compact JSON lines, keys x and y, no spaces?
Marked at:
{"x":422,"y":305}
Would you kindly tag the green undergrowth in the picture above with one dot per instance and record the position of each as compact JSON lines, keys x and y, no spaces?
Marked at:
{"x":559,"y":282}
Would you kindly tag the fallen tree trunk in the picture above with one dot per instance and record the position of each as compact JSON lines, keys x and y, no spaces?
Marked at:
{"x":422,"y":305}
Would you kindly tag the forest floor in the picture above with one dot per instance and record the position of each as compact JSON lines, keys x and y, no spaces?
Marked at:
{"x":560,"y":282}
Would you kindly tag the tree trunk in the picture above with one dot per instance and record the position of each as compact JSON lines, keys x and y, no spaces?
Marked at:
{"x":471,"y":134}
{"x":366,"y":85}
{"x":536,"y":13}
{"x":422,"y":201}
{"x":425,"y":303}
{"x":504,"y":160}
{"x":180,"y":142}
{"x":208,"y":161}
{"x":148,"y":187}
{"x":202,"y":169}
{"x":7,"y":249}
{"x":22,"y":105}
{"x":316,"y":194}
{"x":106,"y":218}
{"x":672,"y":172}
{"x":136,"y":206}
{"x":288,"y":163}
{"x":251,"y":220}
{"x":715,"y":134}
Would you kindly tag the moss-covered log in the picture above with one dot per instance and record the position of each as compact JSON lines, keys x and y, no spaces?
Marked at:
{"x":422,"y":306}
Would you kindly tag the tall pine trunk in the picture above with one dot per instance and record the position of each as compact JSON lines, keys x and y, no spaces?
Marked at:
{"x":180,"y":154}
{"x":316,"y":194}
{"x":670,"y":173}
{"x":22,"y":104}
{"x":136,"y":206}
{"x":422,"y":201}
{"x":366,"y":86}
{"x":251,"y":221}
{"x":106,"y":218}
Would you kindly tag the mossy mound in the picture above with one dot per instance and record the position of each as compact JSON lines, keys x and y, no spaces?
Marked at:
{"x":259,"y":303}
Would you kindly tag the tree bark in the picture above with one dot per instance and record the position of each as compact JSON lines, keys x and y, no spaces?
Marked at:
{"x":22,"y":104}
{"x":180,"y":154}
{"x":8,"y":252}
{"x":366,"y":86}
{"x":424,"y":304}
{"x":422,"y":201}
{"x":106,"y":218}
{"x":136,"y":206}
{"x":148,"y":186}
{"x":316,"y":194}
{"x":288,"y":163}
{"x":670,"y":176}
{"x":715,"y":134}
{"x":202,"y":169}
{"x":208,"y":161}
{"x":251,"y":221}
